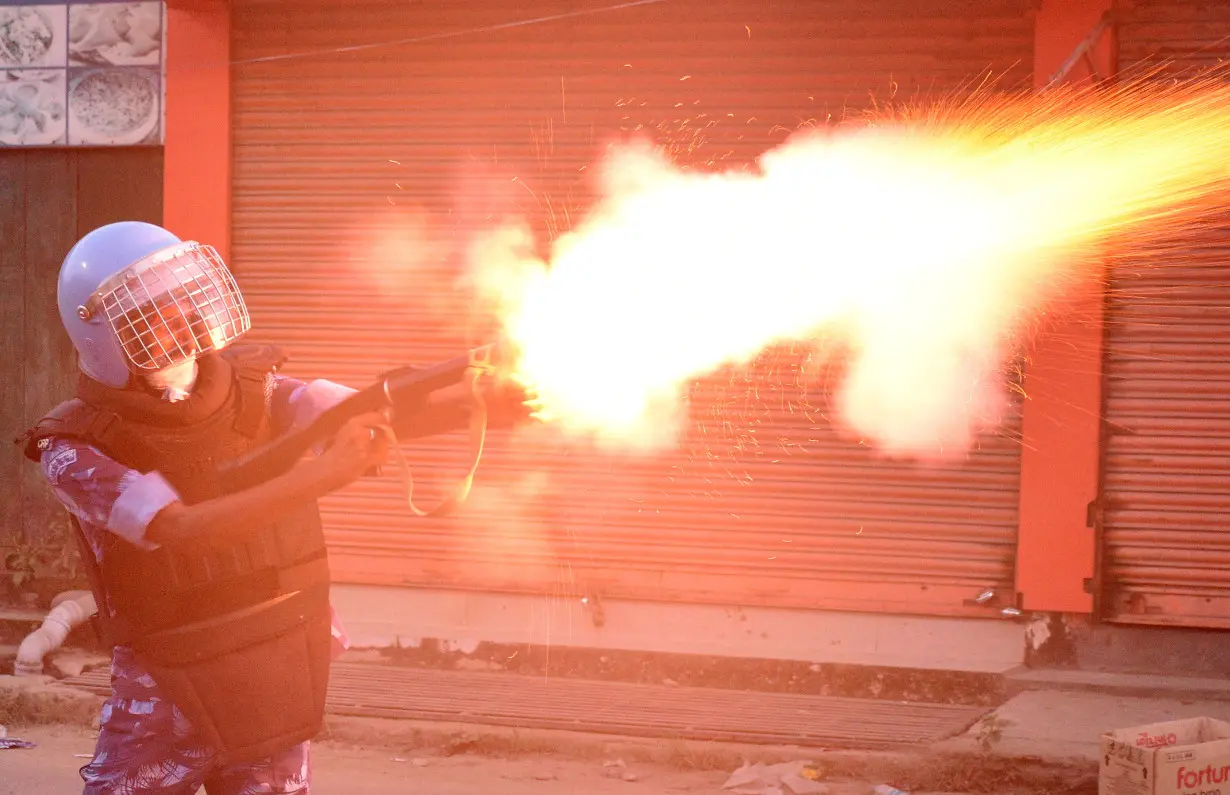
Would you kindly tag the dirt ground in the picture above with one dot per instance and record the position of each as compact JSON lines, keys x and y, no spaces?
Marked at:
{"x":52,"y":767}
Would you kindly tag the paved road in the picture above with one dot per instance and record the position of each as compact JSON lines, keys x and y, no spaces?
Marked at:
{"x":51,"y":769}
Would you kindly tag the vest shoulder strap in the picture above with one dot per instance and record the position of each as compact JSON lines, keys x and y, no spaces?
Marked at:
{"x":76,"y":419}
{"x":254,"y":357}
{"x":253,"y":364}
{"x":73,"y":419}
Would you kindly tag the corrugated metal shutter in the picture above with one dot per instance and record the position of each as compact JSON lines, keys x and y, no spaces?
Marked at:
{"x":336,"y":151}
{"x":1166,"y":482}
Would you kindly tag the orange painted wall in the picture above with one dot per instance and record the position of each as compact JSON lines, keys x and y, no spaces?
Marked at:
{"x":197,"y":153}
{"x":1063,"y":382}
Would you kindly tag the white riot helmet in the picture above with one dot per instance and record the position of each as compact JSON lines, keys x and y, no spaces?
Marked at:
{"x":135,"y":299}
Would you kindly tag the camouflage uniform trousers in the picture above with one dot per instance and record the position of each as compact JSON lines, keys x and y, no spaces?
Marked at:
{"x":147,"y":747}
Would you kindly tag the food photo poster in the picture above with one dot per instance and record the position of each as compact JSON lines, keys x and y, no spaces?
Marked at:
{"x":82,"y":73}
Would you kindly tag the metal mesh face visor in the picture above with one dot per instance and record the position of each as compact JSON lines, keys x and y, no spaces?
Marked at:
{"x":171,"y":306}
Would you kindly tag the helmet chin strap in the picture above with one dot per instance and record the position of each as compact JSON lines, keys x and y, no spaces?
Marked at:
{"x":176,"y":381}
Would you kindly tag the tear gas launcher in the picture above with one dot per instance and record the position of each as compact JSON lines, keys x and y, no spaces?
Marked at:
{"x":405,"y":395}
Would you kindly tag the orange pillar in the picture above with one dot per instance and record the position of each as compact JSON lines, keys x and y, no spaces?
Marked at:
{"x":1063,"y":382}
{"x":197,"y":150}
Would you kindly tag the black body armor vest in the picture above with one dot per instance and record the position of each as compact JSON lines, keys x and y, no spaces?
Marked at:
{"x":236,"y":632}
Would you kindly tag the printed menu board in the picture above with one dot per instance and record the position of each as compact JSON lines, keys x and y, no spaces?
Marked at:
{"x":82,"y":73}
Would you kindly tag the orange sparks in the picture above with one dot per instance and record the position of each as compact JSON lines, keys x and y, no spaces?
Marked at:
{"x":923,"y":239}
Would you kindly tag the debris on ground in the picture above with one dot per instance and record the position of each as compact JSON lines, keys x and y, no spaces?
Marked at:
{"x":13,"y":742}
{"x":886,"y":789}
{"x":784,"y":778}
{"x":618,"y":769}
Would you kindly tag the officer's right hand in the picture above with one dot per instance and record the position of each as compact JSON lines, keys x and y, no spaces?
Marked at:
{"x":360,"y":445}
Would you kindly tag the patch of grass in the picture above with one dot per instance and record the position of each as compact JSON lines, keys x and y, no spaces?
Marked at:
{"x":989,"y":774}
{"x":693,"y":756}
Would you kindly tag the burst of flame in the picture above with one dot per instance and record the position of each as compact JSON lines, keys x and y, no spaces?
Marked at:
{"x":923,"y":238}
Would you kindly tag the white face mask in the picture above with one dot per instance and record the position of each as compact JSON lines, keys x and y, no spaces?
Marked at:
{"x":175,"y":381}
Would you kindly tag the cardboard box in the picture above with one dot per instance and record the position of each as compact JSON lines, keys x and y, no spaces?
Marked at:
{"x":1180,"y":757}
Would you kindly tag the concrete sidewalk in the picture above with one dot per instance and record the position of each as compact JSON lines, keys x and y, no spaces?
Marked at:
{"x":1065,"y":725}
